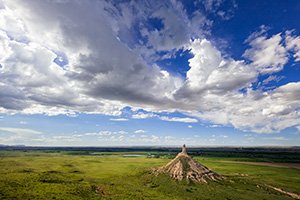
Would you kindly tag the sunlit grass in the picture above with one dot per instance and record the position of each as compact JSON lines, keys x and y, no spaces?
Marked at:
{"x":38,"y":175}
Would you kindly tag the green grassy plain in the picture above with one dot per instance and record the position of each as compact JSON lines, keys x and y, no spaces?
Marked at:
{"x":52,"y":175}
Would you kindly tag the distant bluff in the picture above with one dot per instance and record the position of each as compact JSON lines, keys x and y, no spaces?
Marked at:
{"x":184,"y":167}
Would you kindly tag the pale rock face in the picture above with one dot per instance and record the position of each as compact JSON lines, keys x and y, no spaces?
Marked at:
{"x":184,"y":167}
{"x":184,"y":149}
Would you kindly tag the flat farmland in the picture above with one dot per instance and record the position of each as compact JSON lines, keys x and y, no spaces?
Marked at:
{"x":79,"y":175}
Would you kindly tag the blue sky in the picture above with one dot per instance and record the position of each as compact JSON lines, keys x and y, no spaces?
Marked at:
{"x":132,"y":73}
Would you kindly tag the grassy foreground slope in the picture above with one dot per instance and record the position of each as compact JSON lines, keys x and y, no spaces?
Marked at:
{"x":39,"y":175}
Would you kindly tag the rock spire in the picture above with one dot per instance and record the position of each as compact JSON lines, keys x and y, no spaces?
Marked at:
{"x":184,"y":167}
{"x":184,"y":149}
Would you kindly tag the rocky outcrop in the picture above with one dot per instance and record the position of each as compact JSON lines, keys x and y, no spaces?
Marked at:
{"x":184,"y":167}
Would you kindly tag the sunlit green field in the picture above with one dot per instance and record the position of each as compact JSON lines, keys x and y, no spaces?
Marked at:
{"x":40,"y":175}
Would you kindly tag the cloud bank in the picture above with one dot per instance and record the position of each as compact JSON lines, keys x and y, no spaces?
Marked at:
{"x":55,"y":61}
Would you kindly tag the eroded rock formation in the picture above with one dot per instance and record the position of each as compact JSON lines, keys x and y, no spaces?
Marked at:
{"x":184,"y":167}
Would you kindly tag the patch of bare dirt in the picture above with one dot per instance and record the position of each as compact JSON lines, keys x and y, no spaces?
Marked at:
{"x":293,"y":195}
{"x":102,"y":190}
{"x":284,"y":165}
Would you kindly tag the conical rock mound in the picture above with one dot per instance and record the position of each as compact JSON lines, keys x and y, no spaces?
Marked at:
{"x":184,"y":167}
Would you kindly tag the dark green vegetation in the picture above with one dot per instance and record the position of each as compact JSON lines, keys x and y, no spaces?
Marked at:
{"x":69,"y":174}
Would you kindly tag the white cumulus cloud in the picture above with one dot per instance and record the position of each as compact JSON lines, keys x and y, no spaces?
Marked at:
{"x":140,"y":131}
{"x":49,"y":65}
{"x":178,"y":119}
{"x":118,"y":119}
